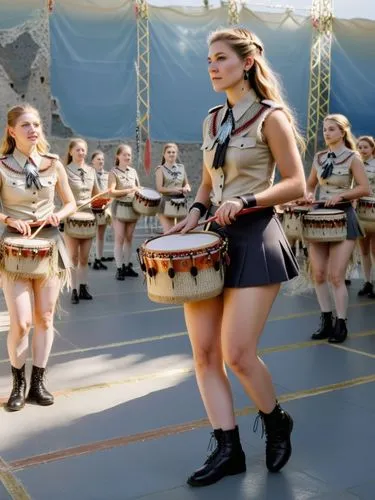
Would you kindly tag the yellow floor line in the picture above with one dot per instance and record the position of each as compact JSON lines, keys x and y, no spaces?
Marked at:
{"x":355,"y":351}
{"x":10,"y":482}
{"x":172,"y":429}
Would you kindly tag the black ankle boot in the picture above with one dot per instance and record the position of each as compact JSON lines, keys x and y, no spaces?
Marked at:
{"x":16,"y":399}
{"x":326,"y":327}
{"x":120,"y":274}
{"x":38,"y":394}
{"x":84,"y":293}
{"x":98,"y":264}
{"x":277,"y":426}
{"x":227,"y":459}
{"x":367,"y":289}
{"x":340,"y":332}
{"x":74,"y":298}
{"x":129,"y":271}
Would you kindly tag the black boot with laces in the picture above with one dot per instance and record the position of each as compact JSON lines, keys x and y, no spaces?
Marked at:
{"x":277,"y":426}
{"x":38,"y":393}
{"x":84,"y":293}
{"x":16,"y":399}
{"x":325,"y":328}
{"x":227,"y":459}
{"x":366,"y":289}
{"x":98,"y":264}
{"x":340,"y":332}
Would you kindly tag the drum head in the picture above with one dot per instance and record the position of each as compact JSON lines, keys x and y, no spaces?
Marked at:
{"x":180,"y":242}
{"x":150,"y":194}
{"x":325,"y":211}
{"x":367,"y":199}
{"x":26,"y":243}
{"x":83,"y":216}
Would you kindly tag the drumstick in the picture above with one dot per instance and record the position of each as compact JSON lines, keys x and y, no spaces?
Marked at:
{"x":244,"y":211}
{"x":91,"y":200}
{"x":38,"y":230}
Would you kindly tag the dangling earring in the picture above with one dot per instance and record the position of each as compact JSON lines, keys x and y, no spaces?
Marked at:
{"x":245,"y":75}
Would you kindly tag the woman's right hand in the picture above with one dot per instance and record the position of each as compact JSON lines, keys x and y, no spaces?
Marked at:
{"x":187,"y":224}
{"x":22,"y":226}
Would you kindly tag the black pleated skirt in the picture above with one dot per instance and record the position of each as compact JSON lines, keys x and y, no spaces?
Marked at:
{"x":259,"y":253}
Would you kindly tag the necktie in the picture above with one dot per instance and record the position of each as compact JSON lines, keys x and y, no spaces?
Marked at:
{"x":82,"y":174}
{"x":327,"y":168}
{"x":32,"y":175}
{"x":100,"y":180}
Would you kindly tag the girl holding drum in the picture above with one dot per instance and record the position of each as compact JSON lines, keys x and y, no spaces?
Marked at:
{"x":171,"y":183}
{"x":123,"y":182}
{"x":243,"y":140}
{"x":366,"y":148}
{"x":334,"y":170}
{"x":97,"y":161}
{"x":83,"y":182}
{"x":29,"y":179}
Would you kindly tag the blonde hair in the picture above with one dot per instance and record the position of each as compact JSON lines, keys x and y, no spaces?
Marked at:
{"x":260,"y":76}
{"x":72,"y":144}
{"x":8,"y":143}
{"x":370,"y":141}
{"x":120,"y":149}
{"x":344,"y":125}
{"x":96,"y":153}
{"x":167,"y":146}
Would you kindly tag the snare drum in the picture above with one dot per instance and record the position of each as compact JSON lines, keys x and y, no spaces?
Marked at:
{"x":176,"y":208}
{"x":325,"y":226}
{"x":25,"y":258}
{"x":123,"y":211}
{"x":81,"y":225}
{"x":366,"y":213}
{"x":183,"y":267}
{"x":292,"y":223}
{"x":146,"y":201}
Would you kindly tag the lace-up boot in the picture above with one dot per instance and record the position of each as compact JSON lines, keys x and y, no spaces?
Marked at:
{"x":38,"y":393}
{"x":227,"y":459}
{"x":16,"y":399}
{"x":326,"y":327}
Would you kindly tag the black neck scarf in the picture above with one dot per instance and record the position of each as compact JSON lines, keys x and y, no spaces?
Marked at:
{"x":223,"y":138}
{"x":82,"y":174}
{"x":327,"y":168}
{"x":32,"y":175}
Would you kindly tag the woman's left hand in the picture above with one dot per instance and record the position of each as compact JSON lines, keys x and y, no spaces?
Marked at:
{"x":333,"y":201}
{"x":226,"y":214}
{"x":53,"y":219}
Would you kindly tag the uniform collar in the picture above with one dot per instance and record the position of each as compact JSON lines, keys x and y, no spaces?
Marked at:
{"x":76,"y":167}
{"x":240,"y":108}
{"x":126,"y":169}
{"x":22,"y":159}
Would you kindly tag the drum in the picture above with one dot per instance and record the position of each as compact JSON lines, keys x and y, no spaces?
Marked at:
{"x":25,"y":258}
{"x":100,"y":203}
{"x":183,"y":267}
{"x":124,"y":211}
{"x":366,"y":213}
{"x":81,"y":225}
{"x":176,"y":208}
{"x":324,"y":226}
{"x":146,"y":201}
{"x":292,"y":223}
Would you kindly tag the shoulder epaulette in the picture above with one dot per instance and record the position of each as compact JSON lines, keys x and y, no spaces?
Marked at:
{"x":215,"y":108}
{"x":51,"y":155}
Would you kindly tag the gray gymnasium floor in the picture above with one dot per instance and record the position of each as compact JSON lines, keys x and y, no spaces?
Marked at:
{"x":128,"y":422}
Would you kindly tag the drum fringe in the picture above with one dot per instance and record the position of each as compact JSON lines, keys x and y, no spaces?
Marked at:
{"x":302,"y":283}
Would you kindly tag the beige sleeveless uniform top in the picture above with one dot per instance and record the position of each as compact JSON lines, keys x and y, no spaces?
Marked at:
{"x":341,"y":179}
{"x":82,"y":181}
{"x":125,"y":179}
{"x":24,"y":203}
{"x":173,"y":177}
{"x":370,"y":171}
{"x":249,"y":164}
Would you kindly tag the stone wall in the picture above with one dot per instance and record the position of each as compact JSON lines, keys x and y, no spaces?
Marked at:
{"x":24,"y":67}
